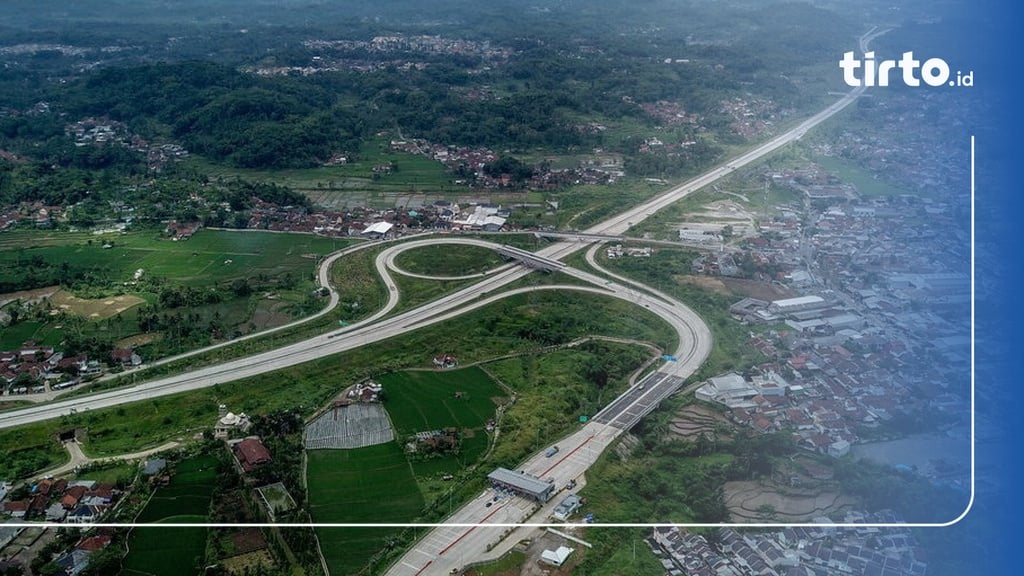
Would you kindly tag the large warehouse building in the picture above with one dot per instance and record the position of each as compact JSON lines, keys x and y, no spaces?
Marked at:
{"x":522,"y":484}
{"x":800,"y":304}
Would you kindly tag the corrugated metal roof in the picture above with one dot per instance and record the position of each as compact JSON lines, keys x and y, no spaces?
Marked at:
{"x":523,"y":482}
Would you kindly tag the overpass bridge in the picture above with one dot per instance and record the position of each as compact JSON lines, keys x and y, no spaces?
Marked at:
{"x":580,"y":236}
{"x":530,"y":259}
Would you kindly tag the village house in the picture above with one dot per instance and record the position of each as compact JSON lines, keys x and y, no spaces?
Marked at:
{"x":250,"y":453}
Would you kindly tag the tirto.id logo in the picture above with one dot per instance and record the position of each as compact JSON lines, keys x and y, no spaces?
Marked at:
{"x":934,"y":71}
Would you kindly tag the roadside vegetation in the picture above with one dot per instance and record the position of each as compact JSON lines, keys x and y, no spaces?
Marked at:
{"x":517,"y":324}
{"x":664,"y":271}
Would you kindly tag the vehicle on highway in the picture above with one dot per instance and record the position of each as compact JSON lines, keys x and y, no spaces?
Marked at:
{"x":551,"y":451}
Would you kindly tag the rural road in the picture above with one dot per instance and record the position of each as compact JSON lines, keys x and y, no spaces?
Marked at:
{"x":78,"y":458}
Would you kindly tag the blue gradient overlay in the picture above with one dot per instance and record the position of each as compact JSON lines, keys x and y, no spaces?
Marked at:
{"x":990,"y":40}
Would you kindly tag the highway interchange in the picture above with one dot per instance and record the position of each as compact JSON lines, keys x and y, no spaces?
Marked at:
{"x":448,"y":547}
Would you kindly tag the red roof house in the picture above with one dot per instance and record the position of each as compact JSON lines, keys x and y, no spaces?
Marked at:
{"x":251,"y":453}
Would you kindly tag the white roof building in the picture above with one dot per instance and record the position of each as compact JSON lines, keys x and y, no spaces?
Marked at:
{"x":378,"y":228}
{"x":556,"y":557}
{"x":729,"y":389}
{"x":493,"y":223}
{"x":797,"y":304}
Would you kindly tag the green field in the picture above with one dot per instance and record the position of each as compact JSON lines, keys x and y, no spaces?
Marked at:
{"x":425,"y":400}
{"x":418,"y":401}
{"x":114,"y":472}
{"x":199,"y":261}
{"x":366,"y":485}
{"x":361,"y":290}
{"x":867,"y":184}
{"x":43,"y":333}
{"x":153,"y":551}
{"x":355,"y":183}
{"x":279,"y":268}
{"x":448,"y":260}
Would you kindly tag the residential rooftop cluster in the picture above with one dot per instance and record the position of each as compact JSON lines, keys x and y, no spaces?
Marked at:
{"x":62,"y":500}
{"x":37,"y":369}
{"x":39,"y":214}
{"x":415,"y":43}
{"x":17,"y":545}
{"x":467,"y":164}
{"x":34,"y":368}
{"x":669,"y":113}
{"x":751,"y":117}
{"x":377,"y":224}
{"x":797,"y":551}
{"x":878,"y":336}
{"x":896,"y":147}
{"x":104,"y":131}
{"x":399,"y":51}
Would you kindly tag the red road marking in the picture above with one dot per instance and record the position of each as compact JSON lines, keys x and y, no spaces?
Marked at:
{"x":420,"y":571}
{"x":495,"y":511}
{"x":466,"y":533}
{"x":567,"y":454}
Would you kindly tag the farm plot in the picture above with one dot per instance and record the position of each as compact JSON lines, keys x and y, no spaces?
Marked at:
{"x":365,"y":485}
{"x":209,"y":257}
{"x":428,"y":400}
{"x":465,"y":399}
{"x":692,"y":421}
{"x":186,"y":499}
{"x":753,"y":501}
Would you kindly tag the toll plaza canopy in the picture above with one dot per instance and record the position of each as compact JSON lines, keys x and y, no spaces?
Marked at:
{"x":522,"y":483}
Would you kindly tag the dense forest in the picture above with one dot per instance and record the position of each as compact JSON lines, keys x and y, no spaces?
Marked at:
{"x":169,"y":77}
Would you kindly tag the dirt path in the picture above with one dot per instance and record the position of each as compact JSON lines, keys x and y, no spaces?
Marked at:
{"x":78,"y":458}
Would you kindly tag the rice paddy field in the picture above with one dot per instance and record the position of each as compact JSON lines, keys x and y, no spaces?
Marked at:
{"x":209,"y":257}
{"x":364,"y":485}
{"x":423,"y":400}
{"x":151,"y":550}
{"x":379,"y":483}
